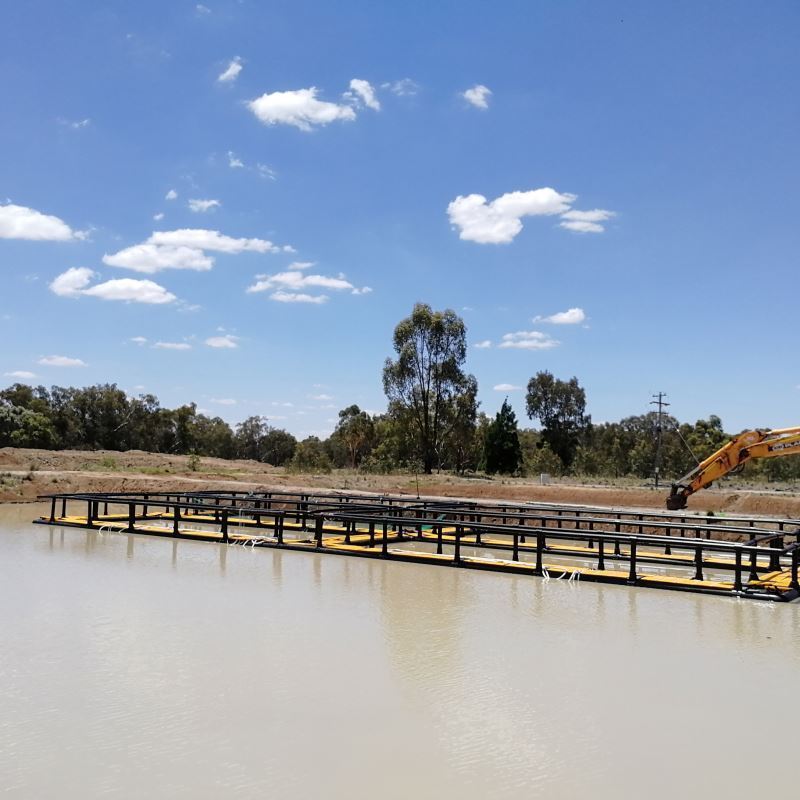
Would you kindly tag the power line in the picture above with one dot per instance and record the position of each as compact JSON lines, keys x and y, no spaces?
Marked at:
{"x":659,"y":401}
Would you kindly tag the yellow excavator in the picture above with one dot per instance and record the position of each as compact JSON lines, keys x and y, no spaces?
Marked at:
{"x":731,"y":458}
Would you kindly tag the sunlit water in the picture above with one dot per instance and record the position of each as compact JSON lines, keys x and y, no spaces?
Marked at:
{"x":134,"y":667}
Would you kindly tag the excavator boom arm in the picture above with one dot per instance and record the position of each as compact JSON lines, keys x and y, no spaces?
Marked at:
{"x":736,"y":453}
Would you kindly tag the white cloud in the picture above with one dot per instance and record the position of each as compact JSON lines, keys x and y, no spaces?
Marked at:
{"x":202,"y":239}
{"x":528,"y":340}
{"x":184,"y":249}
{"x":365,"y":92}
{"x":298,"y":297}
{"x":75,"y":283}
{"x":297,"y":280}
{"x":499,"y":221}
{"x":20,"y":222}
{"x":72,"y":282}
{"x":21,"y":374}
{"x":150,"y":258}
{"x":158,"y":217}
{"x":403,"y":88}
{"x":266,"y":172}
{"x":299,"y":108}
{"x":484,"y":345}
{"x":138,"y":340}
{"x":171,"y":195}
{"x":506,"y":387}
{"x":586,"y":221}
{"x":131,"y":291}
{"x":572,"y":316}
{"x":223,"y":401}
{"x":231,"y":72}
{"x":202,"y":206}
{"x":201,"y":9}
{"x":320,"y":397}
{"x":75,"y":125}
{"x":478,"y":96}
{"x":61,"y":361}
{"x":234,"y":162}
{"x":227,"y":341}
{"x":302,"y":264}
{"x":172,"y":346}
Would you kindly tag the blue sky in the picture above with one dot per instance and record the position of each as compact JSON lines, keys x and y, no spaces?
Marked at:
{"x":606,"y":190}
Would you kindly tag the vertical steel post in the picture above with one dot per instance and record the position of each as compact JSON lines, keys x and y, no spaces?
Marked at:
{"x":539,"y":570}
{"x":224,"y":525}
{"x":737,"y":579}
{"x":318,"y":531}
{"x":632,"y":572}
{"x":698,"y":563}
{"x":385,"y":543}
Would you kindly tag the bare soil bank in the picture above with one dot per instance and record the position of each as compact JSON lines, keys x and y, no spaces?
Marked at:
{"x":25,"y":473}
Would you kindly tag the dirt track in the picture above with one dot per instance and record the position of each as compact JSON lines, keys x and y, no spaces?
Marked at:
{"x":24,"y":474}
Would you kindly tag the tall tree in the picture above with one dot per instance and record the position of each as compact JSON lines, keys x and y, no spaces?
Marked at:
{"x":427,"y":376}
{"x":560,"y":406}
{"x":502,"y":447}
{"x":356,"y":430}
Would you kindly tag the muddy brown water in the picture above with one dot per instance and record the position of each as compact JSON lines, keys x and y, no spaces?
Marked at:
{"x":137,"y":667}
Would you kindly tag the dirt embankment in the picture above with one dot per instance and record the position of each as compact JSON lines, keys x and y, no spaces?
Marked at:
{"x":25,"y":473}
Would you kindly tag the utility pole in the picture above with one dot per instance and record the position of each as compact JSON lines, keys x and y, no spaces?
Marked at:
{"x":658,"y":401}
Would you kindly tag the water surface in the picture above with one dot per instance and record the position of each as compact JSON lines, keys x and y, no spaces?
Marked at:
{"x":137,"y":667}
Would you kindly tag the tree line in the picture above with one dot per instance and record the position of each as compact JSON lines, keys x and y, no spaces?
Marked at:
{"x":432,"y":422}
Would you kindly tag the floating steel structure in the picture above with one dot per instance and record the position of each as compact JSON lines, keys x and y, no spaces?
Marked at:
{"x":745,"y":557}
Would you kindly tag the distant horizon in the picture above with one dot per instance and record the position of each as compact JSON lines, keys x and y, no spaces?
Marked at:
{"x":213,"y":204}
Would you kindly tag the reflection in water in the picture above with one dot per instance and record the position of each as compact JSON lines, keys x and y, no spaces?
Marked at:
{"x":135,"y":667}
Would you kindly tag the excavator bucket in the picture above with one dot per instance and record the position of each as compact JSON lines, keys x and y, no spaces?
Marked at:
{"x":677,"y":499}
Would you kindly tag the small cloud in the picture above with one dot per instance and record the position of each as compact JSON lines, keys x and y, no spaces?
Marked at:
{"x":202,"y":206}
{"x":75,"y":283}
{"x":300,"y":108}
{"x":402,"y":88}
{"x":61,"y":361}
{"x":75,"y":125}
{"x":528,"y":340}
{"x":231,"y":72}
{"x":233,"y":161}
{"x":478,"y":96}
{"x":364,"y":92}
{"x":21,"y":222}
{"x":202,"y":10}
{"x":172,"y":346}
{"x":484,"y":345}
{"x":228,"y":341}
{"x":572,"y":316}
{"x":20,"y":374}
{"x":300,"y":265}
{"x":298,"y":297}
{"x":500,"y":220}
{"x":320,"y":397}
{"x":266,"y":172}
{"x":158,"y":217}
{"x":171,"y":195}
{"x":586,"y":221}
{"x":140,"y":340}
{"x":72,"y":282}
{"x":506,"y":387}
